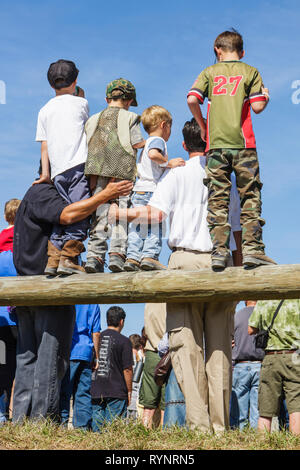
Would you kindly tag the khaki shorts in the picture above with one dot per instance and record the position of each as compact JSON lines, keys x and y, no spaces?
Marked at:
{"x":151,"y":395}
{"x":279,"y":378}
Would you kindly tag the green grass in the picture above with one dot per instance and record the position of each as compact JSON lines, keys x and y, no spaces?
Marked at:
{"x":45,"y":435}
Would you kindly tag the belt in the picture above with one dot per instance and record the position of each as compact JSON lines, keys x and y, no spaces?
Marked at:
{"x":251,"y":362}
{"x":189,"y":250}
{"x":282,"y":351}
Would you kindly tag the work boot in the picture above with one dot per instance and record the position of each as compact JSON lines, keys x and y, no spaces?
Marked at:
{"x":131,"y":265}
{"x":69,"y":258}
{"x":252,"y":261}
{"x":94,"y":265}
{"x":53,"y":260}
{"x":151,"y":264}
{"x":116,"y":262}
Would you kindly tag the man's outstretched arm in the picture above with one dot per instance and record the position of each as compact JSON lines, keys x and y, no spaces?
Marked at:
{"x":80,"y":210}
{"x":141,"y":214}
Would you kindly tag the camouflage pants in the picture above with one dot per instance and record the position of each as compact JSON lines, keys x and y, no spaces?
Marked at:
{"x":101,"y":230}
{"x":244,"y":163}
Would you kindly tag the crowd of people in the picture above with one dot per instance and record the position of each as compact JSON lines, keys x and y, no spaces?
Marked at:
{"x":198,"y":365}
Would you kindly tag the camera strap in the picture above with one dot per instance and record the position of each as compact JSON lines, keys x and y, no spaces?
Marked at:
{"x":275,"y":315}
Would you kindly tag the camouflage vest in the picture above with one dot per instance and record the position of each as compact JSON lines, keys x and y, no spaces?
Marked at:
{"x":107,"y":155}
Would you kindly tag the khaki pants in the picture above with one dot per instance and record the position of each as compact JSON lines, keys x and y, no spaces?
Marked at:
{"x":101,"y":230}
{"x":200,"y":344}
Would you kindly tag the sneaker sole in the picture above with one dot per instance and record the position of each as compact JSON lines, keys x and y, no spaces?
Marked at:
{"x":115,"y":269}
{"x":92,"y":270}
{"x":69,"y":271}
{"x":130,"y":269}
{"x":149,"y":267}
{"x":251,"y":262}
{"x":50,"y":272}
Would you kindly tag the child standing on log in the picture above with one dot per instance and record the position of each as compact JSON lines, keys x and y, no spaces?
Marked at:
{"x":145,"y":241}
{"x":60,"y":129}
{"x":232,"y":88}
{"x":113,"y":136}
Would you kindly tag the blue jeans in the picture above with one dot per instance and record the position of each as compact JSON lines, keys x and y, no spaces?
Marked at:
{"x":72,"y":186}
{"x":144,"y":241}
{"x":244,"y":397}
{"x":3,"y":408}
{"x":105,"y":410}
{"x":43,"y":354}
{"x":175,"y":403}
{"x":77,"y":383}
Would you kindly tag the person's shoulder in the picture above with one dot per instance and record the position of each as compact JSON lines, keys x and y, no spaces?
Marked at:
{"x":130,"y":115}
{"x":206,"y":70}
{"x":79,"y":101}
{"x":192,"y":166}
{"x":92,"y":119}
{"x":125,"y":340}
{"x":38,"y":192}
{"x":249,"y":69}
{"x":44,"y":109}
{"x":155,"y":137}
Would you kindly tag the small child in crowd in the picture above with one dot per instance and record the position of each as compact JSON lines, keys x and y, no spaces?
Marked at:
{"x":232,"y":88}
{"x":113,"y":136}
{"x":145,"y":242}
{"x":60,"y":129}
{"x":7,"y":235}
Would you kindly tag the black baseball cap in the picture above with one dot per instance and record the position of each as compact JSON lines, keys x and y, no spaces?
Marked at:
{"x":62,"y":74}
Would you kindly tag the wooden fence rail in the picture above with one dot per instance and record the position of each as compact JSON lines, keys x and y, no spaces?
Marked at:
{"x":267,"y":282}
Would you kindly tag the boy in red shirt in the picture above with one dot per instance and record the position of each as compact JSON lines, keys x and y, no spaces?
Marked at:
{"x":232,"y":88}
{"x":7,"y":235}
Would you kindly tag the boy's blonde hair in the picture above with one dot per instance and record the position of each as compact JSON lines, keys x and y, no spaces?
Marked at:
{"x":10,"y":210}
{"x":153,"y":116}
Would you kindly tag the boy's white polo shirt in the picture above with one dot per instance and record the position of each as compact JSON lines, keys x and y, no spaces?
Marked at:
{"x":61,"y":123}
{"x":182,"y":195}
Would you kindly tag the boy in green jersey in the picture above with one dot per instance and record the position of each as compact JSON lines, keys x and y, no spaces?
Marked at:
{"x":232,"y":88}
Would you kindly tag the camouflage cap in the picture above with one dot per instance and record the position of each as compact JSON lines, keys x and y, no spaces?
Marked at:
{"x":121,"y":88}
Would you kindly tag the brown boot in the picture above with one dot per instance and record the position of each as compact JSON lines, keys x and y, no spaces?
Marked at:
{"x":53,"y":260}
{"x":68,"y":263}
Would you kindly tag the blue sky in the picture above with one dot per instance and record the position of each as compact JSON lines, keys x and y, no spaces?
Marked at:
{"x":161,"y":47}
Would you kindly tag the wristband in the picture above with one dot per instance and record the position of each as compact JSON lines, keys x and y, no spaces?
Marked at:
{"x":163,"y":165}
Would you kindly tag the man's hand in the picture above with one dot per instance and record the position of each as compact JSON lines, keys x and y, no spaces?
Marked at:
{"x":176,"y":162}
{"x":43,"y":179}
{"x":117,"y":189}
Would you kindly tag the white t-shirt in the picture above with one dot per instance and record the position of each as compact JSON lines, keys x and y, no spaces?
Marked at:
{"x":61,"y":123}
{"x":182,"y":196}
{"x":149,"y":172}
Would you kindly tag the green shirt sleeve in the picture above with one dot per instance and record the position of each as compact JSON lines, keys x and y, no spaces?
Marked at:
{"x":200,"y":87}
{"x":255,"y":89}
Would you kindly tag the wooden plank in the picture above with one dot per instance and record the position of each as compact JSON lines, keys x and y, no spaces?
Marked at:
{"x":266,"y":282}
